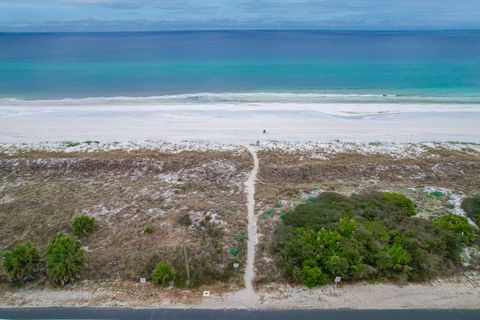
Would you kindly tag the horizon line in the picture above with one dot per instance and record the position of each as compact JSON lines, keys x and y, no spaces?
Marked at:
{"x":255,"y":29}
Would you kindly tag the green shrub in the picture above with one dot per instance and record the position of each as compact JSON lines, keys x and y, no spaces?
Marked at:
{"x":472,"y":208}
{"x":312,"y":275}
{"x":394,"y":257}
{"x":72,"y":144}
{"x":268,"y":213}
{"x":311,"y":199}
{"x":437,"y":194}
{"x":19,"y":264}
{"x":362,"y":237}
{"x":148,"y":230}
{"x":163,"y":273}
{"x":65,"y":258}
{"x":233,"y":251}
{"x":89,"y":142}
{"x":401,"y":201}
{"x":464,"y":232}
{"x":83,"y":225}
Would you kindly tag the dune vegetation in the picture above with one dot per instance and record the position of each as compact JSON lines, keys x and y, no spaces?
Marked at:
{"x":370,"y":236}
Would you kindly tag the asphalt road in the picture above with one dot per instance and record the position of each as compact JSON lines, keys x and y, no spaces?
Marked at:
{"x":194,"y":314}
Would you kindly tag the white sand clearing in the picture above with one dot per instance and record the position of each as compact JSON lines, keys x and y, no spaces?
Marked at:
{"x":236,"y":123}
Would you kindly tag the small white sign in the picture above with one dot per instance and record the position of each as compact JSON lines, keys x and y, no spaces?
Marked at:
{"x":206,"y":293}
{"x":143,"y":280}
{"x":338,"y":279}
{"x":236,"y":265}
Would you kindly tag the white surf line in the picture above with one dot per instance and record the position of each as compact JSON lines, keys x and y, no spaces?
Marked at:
{"x":252,"y":223}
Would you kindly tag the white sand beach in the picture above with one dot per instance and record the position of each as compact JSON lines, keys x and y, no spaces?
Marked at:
{"x":235,"y":123}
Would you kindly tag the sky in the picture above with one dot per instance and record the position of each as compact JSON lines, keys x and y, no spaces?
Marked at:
{"x":151,"y":15}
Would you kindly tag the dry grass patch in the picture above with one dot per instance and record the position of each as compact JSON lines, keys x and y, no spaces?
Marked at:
{"x":126,"y":192}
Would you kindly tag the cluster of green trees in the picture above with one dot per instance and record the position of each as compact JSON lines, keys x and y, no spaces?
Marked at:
{"x":187,"y":265}
{"x":367,"y":236}
{"x":64,"y":257}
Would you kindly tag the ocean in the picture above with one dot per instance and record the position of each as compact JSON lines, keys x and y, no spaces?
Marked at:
{"x":243,"y":66}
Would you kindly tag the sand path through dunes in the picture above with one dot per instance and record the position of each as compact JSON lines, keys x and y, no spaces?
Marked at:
{"x":252,"y":223}
{"x":246,"y":298}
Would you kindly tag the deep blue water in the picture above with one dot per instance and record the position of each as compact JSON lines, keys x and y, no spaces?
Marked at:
{"x":51,"y":66}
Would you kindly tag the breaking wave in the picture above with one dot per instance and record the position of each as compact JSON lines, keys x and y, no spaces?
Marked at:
{"x":251,"y":97}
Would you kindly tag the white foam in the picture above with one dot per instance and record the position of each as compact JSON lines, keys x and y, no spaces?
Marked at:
{"x":243,"y":97}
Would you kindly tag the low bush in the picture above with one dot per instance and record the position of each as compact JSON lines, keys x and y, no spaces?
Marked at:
{"x":89,"y":142}
{"x":401,"y":201}
{"x":72,"y":144}
{"x":65,"y":258}
{"x":148,"y":230}
{"x":20,"y":263}
{"x":472,"y":208}
{"x":312,"y":275}
{"x":163,"y":273}
{"x":437,"y":194}
{"x":83,"y":225}
{"x":362,"y":237}
{"x":464,"y":232}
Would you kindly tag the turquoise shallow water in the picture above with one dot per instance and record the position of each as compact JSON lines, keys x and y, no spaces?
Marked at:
{"x":410,"y":66}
